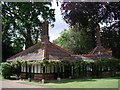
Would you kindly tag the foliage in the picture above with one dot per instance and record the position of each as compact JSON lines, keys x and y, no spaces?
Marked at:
{"x":75,"y":41}
{"x":112,"y":63}
{"x":111,"y":38}
{"x":91,"y":14}
{"x":22,"y":24}
{"x":0,"y":69}
{"x":76,"y":68}
{"x":79,"y":12}
{"x":85,"y":13}
{"x":7,"y":70}
{"x":66,"y":62}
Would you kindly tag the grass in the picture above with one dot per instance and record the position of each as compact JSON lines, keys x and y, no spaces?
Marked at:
{"x":79,"y":83}
{"x":11,"y":78}
{"x":1,"y":78}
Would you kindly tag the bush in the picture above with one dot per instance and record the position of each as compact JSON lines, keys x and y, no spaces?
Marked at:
{"x":0,"y":69}
{"x":7,"y":70}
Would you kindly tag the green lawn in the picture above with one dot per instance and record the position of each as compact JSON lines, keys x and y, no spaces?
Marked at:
{"x":78,"y":83}
{"x":1,"y":78}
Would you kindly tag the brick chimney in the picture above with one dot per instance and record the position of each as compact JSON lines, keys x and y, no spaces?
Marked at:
{"x":98,"y":36}
{"x":46,"y":32}
{"x":45,"y":39}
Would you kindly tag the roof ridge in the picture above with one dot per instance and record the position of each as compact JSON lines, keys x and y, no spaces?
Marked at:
{"x":61,"y":48}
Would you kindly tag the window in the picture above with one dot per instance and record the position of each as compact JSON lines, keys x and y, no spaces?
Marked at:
{"x":31,"y":68}
{"x":39,"y":68}
{"x":27,"y":68}
{"x":24,"y":68}
{"x":52,"y":69}
{"x":48,"y":69}
{"x":35,"y":68}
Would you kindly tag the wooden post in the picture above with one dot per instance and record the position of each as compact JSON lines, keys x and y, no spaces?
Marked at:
{"x":55,"y":74}
{"x":26,"y":70}
{"x":58,"y":72}
{"x":79,"y":71}
{"x":85,"y":70}
{"x":17,"y":71}
{"x":43,"y":75}
{"x":70,"y":71}
{"x":29,"y":76}
{"x":73,"y":71}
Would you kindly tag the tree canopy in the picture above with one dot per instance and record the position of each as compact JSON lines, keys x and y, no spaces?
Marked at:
{"x":91,"y":14}
{"x":77,"y":42}
{"x":85,"y":12}
{"x":22,"y":24}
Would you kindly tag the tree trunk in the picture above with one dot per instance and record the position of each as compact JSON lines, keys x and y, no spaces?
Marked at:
{"x":28,"y":42}
{"x":28,"y":37}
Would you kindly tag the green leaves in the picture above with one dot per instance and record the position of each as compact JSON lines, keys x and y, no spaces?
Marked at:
{"x":76,"y":41}
{"x":90,"y":14}
{"x":7,"y":70}
{"x":21,"y":24}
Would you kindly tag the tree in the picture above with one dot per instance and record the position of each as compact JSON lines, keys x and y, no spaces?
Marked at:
{"x":22,"y":23}
{"x":111,"y":38}
{"x":84,"y":12}
{"x":93,"y":14}
{"x":77,"y":42}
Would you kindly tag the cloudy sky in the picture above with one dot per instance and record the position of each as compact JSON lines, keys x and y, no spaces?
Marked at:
{"x":59,"y":24}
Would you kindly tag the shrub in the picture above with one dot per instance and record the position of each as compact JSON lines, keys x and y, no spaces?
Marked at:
{"x":0,"y":69}
{"x":7,"y":70}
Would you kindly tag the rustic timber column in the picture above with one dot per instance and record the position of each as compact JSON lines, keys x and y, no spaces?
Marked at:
{"x":26,"y":76}
{"x":43,"y":75}
{"x":29,"y":76}
{"x":70,"y":71}
{"x":18,"y":71}
{"x":58,"y":72}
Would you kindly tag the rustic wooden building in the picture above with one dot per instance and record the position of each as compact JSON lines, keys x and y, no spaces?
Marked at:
{"x":50,"y":51}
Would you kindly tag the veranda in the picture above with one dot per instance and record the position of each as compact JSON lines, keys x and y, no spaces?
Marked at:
{"x":61,"y":69}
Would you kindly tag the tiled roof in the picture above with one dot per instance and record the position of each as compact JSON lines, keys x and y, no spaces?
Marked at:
{"x":100,"y":52}
{"x":34,"y":52}
{"x":50,"y":51}
{"x":55,"y":52}
{"x":40,"y":51}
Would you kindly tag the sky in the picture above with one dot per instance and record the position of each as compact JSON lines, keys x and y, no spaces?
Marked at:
{"x":59,"y":24}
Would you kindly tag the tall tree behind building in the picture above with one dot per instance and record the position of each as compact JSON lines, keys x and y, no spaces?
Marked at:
{"x":22,"y":24}
{"x":96,"y":13}
{"x":77,"y":42}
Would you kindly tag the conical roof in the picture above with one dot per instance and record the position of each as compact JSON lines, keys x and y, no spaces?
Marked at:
{"x":99,"y":50}
{"x":41,"y":51}
{"x":50,"y":51}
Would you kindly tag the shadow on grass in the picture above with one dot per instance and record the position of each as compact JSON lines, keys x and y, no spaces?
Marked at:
{"x":71,"y":80}
{"x":108,"y":78}
{"x":79,"y":80}
{"x":11,"y":78}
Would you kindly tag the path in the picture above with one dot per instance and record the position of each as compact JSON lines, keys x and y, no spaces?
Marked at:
{"x":14,"y":84}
